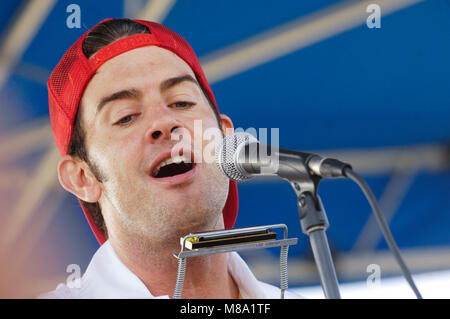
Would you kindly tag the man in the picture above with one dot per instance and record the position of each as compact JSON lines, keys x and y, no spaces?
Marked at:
{"x":117,"y":98}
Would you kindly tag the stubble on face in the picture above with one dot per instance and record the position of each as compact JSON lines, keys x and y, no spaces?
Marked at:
{"x":156,"y":222}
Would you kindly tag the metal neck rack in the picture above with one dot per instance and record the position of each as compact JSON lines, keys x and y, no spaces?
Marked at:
{"x":283,"y":243}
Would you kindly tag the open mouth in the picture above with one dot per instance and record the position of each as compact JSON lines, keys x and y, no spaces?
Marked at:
{"x":173,"y":166}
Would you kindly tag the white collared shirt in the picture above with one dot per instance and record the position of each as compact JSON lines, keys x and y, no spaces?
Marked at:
{"x":107,"y":277}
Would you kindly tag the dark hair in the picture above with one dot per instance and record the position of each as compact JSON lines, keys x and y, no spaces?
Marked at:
{"x":108,"y":32}
{"x":100,"y":37}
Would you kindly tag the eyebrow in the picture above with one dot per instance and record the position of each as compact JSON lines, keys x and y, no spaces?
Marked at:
{"x":135,"y":94}
{"x":169,"y":83}
{"x":121,"y":95}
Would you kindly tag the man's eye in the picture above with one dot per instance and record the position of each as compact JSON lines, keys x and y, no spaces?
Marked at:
{"x":182,"y":105}
{"x":125,"y":120}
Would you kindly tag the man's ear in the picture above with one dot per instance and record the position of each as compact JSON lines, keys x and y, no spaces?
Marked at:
{"x":227,"y":125}
{"x":75,"y":176}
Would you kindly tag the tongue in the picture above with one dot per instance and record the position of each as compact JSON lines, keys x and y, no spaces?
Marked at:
{"x":174,"y":169}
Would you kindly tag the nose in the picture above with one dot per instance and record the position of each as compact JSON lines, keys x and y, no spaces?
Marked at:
{"x":162,"y":128}
{"x":155,"y":135}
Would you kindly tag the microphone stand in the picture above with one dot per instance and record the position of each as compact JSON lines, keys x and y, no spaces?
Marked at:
{"x":314,"y":223}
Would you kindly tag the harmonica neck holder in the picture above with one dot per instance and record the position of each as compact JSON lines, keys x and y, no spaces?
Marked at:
{"x":235,"y":233}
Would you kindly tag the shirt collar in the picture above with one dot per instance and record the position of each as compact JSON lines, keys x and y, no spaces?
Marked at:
{"x":107,"y":277}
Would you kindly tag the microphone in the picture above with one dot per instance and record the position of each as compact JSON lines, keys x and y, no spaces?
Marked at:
{"x":240,"y":157}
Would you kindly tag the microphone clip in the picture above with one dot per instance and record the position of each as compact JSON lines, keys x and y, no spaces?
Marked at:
{"x":314,"y":223}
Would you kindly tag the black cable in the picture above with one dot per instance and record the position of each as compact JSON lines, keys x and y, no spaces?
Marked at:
{"x":384,"y":226}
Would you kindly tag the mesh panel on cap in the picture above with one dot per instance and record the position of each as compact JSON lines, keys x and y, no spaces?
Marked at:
{"x":61,"y":72}
{"x":66,"y":85}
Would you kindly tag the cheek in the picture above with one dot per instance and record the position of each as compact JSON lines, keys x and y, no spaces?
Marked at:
{"x":117,"y":156}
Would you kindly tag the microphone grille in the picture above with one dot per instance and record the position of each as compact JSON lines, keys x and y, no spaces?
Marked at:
{"x":226,"y":152}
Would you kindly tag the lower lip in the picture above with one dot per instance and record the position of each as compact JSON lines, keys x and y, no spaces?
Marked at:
{"x":176,"y":179}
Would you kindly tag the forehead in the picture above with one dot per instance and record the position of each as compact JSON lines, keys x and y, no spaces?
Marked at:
{"x":141,"y":68}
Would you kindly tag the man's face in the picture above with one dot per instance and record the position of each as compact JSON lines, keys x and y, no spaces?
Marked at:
{"x":129,"y":110}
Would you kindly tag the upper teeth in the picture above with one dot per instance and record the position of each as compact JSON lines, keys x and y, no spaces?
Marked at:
{"x":177,"y":159}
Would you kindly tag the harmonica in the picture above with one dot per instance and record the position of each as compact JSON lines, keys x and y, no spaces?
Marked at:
{"x":227,"y":237}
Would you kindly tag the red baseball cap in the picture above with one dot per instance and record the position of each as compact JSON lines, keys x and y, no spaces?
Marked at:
{"x":74,"y":71}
